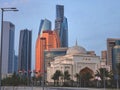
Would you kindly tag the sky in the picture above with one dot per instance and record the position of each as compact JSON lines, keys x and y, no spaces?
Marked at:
{"x":90,"y":22}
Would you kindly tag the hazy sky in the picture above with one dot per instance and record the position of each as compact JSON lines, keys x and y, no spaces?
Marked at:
{"x":91,"y":22}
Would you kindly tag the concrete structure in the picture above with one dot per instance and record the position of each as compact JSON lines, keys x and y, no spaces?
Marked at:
{"x":52,"y":53}
{"x":110,"y":45}
{"x":24,"y":56}
{"x":61,"y":25}
{"x":48,"y":40}
{"x":75,"y":61}
{"x":104,"y":55}
{"x":8,"y":48}
{"x":104,"y":59}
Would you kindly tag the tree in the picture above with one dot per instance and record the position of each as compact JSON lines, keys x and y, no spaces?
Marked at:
{"x":103,"y":73}
{"x":78,"y":78}
{"x":56,"y":76}
{"x":66,"y":77}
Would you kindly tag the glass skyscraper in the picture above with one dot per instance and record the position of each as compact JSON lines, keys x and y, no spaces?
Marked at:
{"x":16,"y":64}
{"x":116,"y":58}
{"x":44,"y":25}
{"x":8,"y":48}
{"x":24,"y":57}
{"x":61,"y":25}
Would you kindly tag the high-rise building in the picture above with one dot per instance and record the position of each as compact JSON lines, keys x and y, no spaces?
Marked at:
{"x":60,"y":11}
{"x":61,"y":25}
{"x":110,"y":45}
{"x":16,"y":64}
{"x":7,"y":48}
{"x":116,"y":58}
{"x":44,"y":25}
{"x":24,"y":57}
{"x":49,"y":39}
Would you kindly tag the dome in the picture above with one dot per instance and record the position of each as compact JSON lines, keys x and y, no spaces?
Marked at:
{"x":76,"y":50}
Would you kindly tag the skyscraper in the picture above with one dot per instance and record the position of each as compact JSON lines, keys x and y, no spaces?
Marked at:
{"x":110,"y":45}
{"x":116,"y":58}
{"x":61,"y":25}
{"x":16,"y":64}
{"x":44,"y":25}
{"x":24,"y":57}
{"x":49,"y":39}
{"x":8,"y":48}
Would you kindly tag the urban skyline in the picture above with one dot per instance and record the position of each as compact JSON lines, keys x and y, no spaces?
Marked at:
{"x":102,"y":24}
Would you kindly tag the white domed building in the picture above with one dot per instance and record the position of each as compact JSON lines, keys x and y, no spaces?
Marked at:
{"x":76,"y":60}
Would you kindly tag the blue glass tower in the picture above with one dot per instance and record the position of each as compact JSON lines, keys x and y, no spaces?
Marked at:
{"x":44,"y":25}
{"x":116,"y":58}
{"x":61,"y":25}
{"x":15,"y":63}
{"x":24,"y":57}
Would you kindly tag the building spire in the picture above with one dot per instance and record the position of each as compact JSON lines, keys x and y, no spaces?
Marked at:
{"x":76,"y":44}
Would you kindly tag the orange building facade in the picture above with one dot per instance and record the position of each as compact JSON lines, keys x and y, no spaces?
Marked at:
{"x":49,"y":39}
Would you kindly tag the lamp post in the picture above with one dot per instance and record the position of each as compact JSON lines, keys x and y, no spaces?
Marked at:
{"x":104,"y":77}
{"x":3,"y":10}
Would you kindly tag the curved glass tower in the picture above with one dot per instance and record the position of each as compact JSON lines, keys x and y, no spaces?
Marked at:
{"x":61,"y":25}
{"x":44,"y":25}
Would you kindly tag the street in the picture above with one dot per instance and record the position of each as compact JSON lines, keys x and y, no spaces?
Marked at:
{"x":49,"y":88}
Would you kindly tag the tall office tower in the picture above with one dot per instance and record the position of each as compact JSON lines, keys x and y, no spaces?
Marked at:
{"x":24,"y":57}
{"x":7,"y":48}
{"x":49,"y":39}
{"x":61,"y":25}
{"x":44,"y":25}
{"x":16,"y":64}
{"x":116,"y":58}
{"x":110,"y":45}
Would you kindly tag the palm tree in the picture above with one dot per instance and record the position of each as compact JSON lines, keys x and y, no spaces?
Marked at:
{"x":78,"y":78}
{"x":66,"y":77}
{"x":103,"y":73}
{"x":56,"y":76}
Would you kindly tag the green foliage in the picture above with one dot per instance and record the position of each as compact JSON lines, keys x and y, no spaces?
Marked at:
{"x":103,"y":73}
{"x":14,"y":80}
{"x":66,"y":75}
{"x":56,"y":76}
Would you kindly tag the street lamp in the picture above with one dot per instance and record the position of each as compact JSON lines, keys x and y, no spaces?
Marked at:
{"x":3,"y":10}
{"x":104,"y":77}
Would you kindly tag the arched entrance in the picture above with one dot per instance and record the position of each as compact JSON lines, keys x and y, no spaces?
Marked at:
{"x":86,"y":76}
{"x":86,"y":70}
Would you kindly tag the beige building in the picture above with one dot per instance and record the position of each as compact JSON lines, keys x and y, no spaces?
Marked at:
{"x":110,"y":45}
{"x":76,"y":60}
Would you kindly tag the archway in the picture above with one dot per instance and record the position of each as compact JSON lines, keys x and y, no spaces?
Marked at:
{"x":86,"y":76}
{"x":86,"y":70}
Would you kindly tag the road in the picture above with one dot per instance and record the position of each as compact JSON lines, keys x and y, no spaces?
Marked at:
{"x":49,"y":88}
